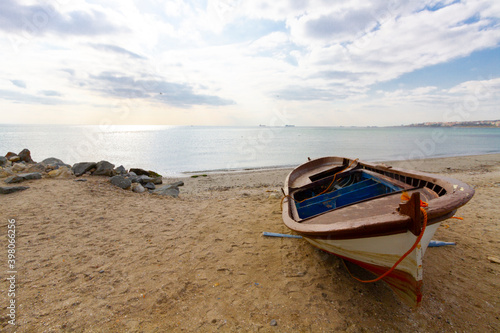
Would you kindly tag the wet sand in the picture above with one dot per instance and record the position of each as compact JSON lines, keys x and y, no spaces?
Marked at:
{"x":92,"y":257}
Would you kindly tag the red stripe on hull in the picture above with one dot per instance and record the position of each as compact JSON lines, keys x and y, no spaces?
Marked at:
{"x":402,"y":283}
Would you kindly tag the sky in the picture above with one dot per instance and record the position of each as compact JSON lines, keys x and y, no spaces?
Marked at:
{"x":245,"y":63}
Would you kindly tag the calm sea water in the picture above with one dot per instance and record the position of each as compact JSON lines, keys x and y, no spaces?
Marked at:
{"x":172,"y":150}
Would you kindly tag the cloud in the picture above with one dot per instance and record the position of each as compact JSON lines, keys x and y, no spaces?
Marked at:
{"x":38,"y":19}
{"x":337,"y":27}
{"x":70,"y":71}
{"x":361,"y":46}
{"x":309,"y":94}
{"x":19,"y":83}
{"x":174,"y":94}
{"x":317,"y":55}
{"x":22,"y":98}
{"x":117,"y":50}
{"x":50,"y":93}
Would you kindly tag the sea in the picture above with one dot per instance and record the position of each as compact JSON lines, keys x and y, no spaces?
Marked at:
{"x":185,"y":150}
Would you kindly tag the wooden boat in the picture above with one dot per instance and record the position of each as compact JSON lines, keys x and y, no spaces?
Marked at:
{"x":354,"y":210}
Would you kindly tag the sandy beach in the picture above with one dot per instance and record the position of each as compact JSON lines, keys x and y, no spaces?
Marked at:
{"x":92,"y":257}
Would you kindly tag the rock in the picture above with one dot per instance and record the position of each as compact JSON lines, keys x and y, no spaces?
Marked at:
{"x":120,"y":170}
{"x":167,"y":190}
{"x":143,"y":179}
{"x":15,"y":158}
{"x":273,"y":322}
{"x":9,"y":155}
{"x":138,"y":188}
{"x":80,"y":180}
{"x":31,"y":175}
{"x":121,"y":181}
{"x":62,"y":172}
{"x":54,"y":163}
{"x":38,"y":167}
{"x":154,"y":174}
{"x":139,"y":172}
{"x":150,"y":186}
{"x":3,"y":161}
{"x":79,"y":169}
{"x":157,"y":180}
{"x":12,"y":189}
{"x":13,"y":179}
{"x":25,"y":156}
{"x":177,"y":184}
{"x":494,"y":259}
{"x":22,"y":177}
{"x":5,"y":173}
{"x":104,"y":168}
{"x":149,"y":173}
{"x":18,"y":167}
{"x":51,"y":167}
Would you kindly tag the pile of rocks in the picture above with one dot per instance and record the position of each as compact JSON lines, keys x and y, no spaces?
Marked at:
{"x":16,"y":168}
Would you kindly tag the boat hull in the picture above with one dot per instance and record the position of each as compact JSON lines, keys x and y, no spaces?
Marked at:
{"x":333,"y":203}
{"x":378,"y":255}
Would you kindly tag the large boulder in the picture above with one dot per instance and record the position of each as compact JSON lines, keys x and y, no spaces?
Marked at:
{"x":62,"y":172}
{"x":22,"y":177}
{"x":12,"y":189}
{"x":9,"y":155}
{"x":6,"y":172}
{"x":167,"y":190}
{"x":121,"y":170}
{"x":104,"y":168}
{"x":157,"y":180}
{"x":15,"y":158}
{"x":143,"y":179}
{"x":37,"y":167}
{"x":31,"y":175}
{"x":14,"y":179}
{"x":18,"y":167}
{"x":53,"y":163}
{"x":25,"y":156}
{"x":121,"y":181}
{"x":149,"y":173}
{"x":3,"y":161}
{"x":139,"y":172}
{"x":79,"y":169}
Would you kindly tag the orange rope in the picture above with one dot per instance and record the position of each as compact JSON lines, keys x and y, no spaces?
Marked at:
{"x":317,"y":195}
{"x":405,"y":197}
{"x":404,"y":255}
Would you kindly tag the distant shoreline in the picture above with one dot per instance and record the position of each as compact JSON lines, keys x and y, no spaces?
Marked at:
{"x":455,"y":126}
{"x":475,"y":124}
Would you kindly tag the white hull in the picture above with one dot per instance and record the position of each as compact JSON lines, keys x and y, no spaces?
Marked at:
{"x":379,"y":254}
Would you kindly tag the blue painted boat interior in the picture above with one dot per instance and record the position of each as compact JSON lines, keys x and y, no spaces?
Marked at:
{"x":346,"y":191}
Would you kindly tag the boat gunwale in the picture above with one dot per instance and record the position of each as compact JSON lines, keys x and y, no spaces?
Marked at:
{"x":457,"y":194}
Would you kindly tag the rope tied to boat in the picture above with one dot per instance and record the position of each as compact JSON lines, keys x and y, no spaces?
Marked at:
{"x":423,"y":204}
{"x":317,"y":195}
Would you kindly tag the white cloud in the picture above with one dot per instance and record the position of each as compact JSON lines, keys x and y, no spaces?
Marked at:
{"x":233,"y":58}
